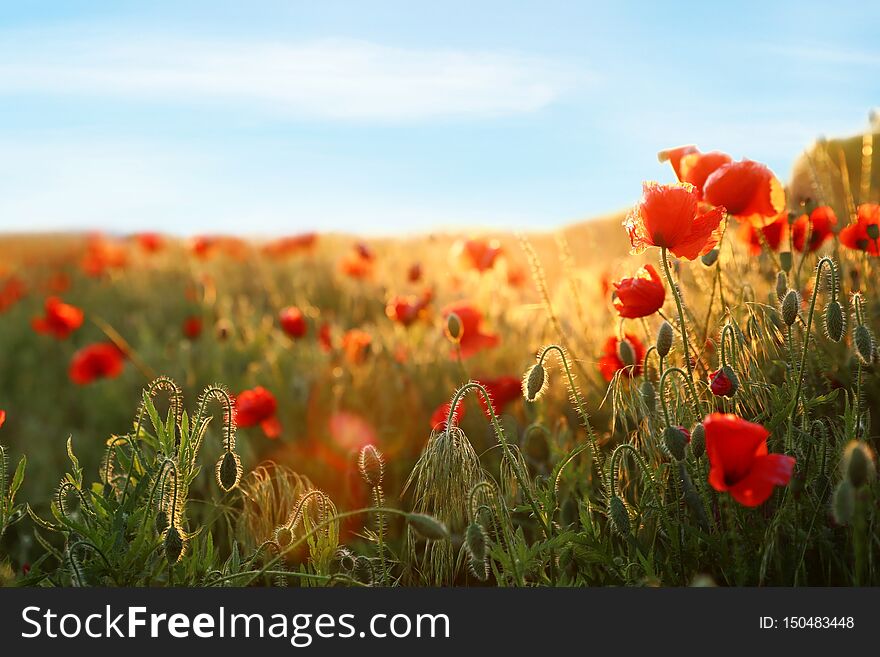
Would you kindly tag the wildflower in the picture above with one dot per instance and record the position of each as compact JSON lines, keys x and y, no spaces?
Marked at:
{"x":257,"y":407}
{"x":739,"y":462}
{"x":192,"y":327}
{"x":2,"y":417}
{"x":101,"y":360}
{"x":291,"y":245}
{"x":60,"y":319}
{"x":669,"y":217}
{"x":479,"y":254}
{"x":611,"y":362}
{"x":414,"y":273}
{"x":150,"y":242}
{"x":358,"y":263}
{"x":724,"y":382}
{"x":773,"y":233}
{"x":101,"y":256}
{"x":11,"y":292}
{"x":293,"y":322}
{"x":641,"y":295}
{"x":406,"y":309}
{"x":863,"y":234}
{"x":502,"y":391}
{"x":325,"y":338}
{"x":819,"y":224}
{"x":692,"y":166}
{"x":473,"y":338}
{"x":747,"y":190}
{"x":355,"y":344}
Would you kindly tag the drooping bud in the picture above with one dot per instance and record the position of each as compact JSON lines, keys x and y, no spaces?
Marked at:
{"x":161,"y":521}
{"x":619,"y":516}
{"x":371,"y":465}
{"x":283,"y":535}
{"x":710,"y":258}
{"x":626,"y":353}
{"x":664,"y":339}
{"x":785,"y":260}
{"x":173,"y":544}
{"x":724,"y":382}
{"x":698,"y":440}
{"x":781,"y":285}
{"x":675,"y":441}
{"x":791,"y":303}
{"x":454,"y":328}
{"x":834,"y":321}
{"x":428,"y":526}
{"x":534,"y":382}
{"x":228,"y":471}
{"x":858,"y":464}
{"x":476,"y":544}
{"x":843,"y":503}
{"x":649,"y":395}
{"x":864,"y":343}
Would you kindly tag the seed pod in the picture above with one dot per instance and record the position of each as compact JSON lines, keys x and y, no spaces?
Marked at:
{"x":454,"y":328}
{"x":428,"y":526}
{"x":664,"y":339}
{"x":858,"y":464}
{"x":790,"y":304}
{"x":710,"y":258}
{"x":228,"y":471}
{"x":698,"y":440}
{"x":781,"y":285}
{"x":619,"y":516}
{"x":785,"y":260}
{"x":371,"y":465}
{"x":834,"y":321}
{"x":626,"y":353}
{"x":283,"y":536}
{"x":534,"y":382}
{"x":864,"y":343}
{"x":174,"y":544}
{"x":843,"y":503}
{"x":649,"y":395}
{"x":161,"y":522}
{"x":675,"y":442}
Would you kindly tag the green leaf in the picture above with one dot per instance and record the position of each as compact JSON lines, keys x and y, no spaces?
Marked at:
{"x":17,"y":479}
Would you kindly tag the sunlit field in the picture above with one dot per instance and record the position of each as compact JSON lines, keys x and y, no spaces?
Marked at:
{"x":683,"y":394}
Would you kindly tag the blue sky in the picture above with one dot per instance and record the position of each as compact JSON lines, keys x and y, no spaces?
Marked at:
{"x":383,"y":117}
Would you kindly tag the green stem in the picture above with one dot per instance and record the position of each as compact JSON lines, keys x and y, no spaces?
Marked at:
{"x":664,"y":260}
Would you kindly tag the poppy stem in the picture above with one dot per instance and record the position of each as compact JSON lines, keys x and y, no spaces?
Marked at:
{"x":664,"y":260}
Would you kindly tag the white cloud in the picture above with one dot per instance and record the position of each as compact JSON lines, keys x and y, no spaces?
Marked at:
{"x":330,"y":78}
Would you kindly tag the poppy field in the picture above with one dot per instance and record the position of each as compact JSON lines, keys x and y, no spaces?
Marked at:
{"x":680,"y":395}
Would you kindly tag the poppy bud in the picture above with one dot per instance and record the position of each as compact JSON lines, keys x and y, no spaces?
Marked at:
{"x":161,"y":521}
{"x":454,"y":328}
{"x":626,"y":353}
{"x":173,"y":545}
{"x":873,"y":231}
{"x":649,"y":396}
{"x":710,"y":258}
{"x":785,"y":260}
{"x":790,"y":304}
{"x":362,"y":571}
{"x":675,"y":442}
{"x":534,"y":382}
{"x":664,"y":339}
{"x":843,"y":503}
{"x":864,"y":343}
{"x":228,"y":471}
{"x":698,"y":440}
{"x":858,"y":464}
{"x":428,"y":526}
{"x":476,"y":544}
{"x":619,"y":516}
{"x":781,"y":285}
{"x":834,"y":321}
{"x":283,"y":536}
{"x":371,"y":465}
{"x":724,"y":382}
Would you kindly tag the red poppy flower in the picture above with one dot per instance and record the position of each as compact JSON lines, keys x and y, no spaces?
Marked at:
{"x":858,"y":235}
{"x":516,"y":276}
{"x":102,"y":360}
{"x":819,"y":225}
{"x":406,"y":309}
{"x":203,"y":246}
{"x":669,"y":216}
{"x":192,"y":327}
{"x":356,"y":264}
{"x":293,"y":322}
{"x":502,"y":390}
{"x":739,"y":462}
{"x":720,"y":383}
{"x":325,"y":338}
{"x":12,"y":291}
{"x":640,"y":295}
{"x":692,"y":166}
{"x":258,"y":407}
{"x":286,"y":246}
{"x":355,"y":345}
{"x":414,"y":273}
{"x":150,"y":242}
{"x":774,"y":234}
{"x":473,"y":338}
{"x":101,"y":256}
{"x":2,"y":417}
{"x":611,"y":362}
{"x":441,"y":414}
{"x":58,"y":283}
{"x":479,"y":254}
{"x":60,"y":319}
{"x":747,"y":190}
